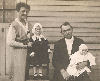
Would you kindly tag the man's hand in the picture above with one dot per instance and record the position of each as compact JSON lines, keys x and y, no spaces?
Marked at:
{"x":81,"y":65}
{"x":64,"y":74}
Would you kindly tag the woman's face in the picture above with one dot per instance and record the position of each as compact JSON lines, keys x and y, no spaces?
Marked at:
{"x":38,"y":30}
{"x":23,"y":12}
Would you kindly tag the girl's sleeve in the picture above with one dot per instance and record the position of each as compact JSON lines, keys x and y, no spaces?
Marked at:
{"x":11,"y":38}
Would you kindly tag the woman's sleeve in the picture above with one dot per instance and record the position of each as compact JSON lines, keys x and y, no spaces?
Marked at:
{"x":11,"y":38}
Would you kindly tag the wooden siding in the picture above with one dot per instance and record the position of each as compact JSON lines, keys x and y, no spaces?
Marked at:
{"x":82,"y":14}
{"x":2,"y":51}
{"x":1,"y":1}
{"x":10,"y":4}
{"x":1,"y":16}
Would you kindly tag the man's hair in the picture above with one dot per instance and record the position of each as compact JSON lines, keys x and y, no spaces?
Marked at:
{"x":21,"y":4}
{"x":65,"y":24}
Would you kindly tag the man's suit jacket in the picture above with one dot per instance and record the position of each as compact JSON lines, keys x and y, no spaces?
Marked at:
{"x":60,"y":58}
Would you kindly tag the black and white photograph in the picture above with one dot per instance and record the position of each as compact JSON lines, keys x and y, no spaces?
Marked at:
{"x":49,"y":40}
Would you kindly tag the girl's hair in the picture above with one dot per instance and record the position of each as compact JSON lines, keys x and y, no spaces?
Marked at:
{"x":36,"y":25}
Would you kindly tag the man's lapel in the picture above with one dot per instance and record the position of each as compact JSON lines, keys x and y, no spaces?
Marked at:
{"x":64,"y":46}
{"x":74,"y":46}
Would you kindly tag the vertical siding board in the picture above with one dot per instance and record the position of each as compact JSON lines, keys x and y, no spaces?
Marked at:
{"x":10,"y":4}
{"x":2,"y":52}
{"x":8,"y":56}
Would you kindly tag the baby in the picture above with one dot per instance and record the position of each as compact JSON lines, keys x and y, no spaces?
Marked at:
{"x":80,"y":56}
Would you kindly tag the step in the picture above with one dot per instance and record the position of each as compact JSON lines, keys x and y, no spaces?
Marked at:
{"x":35,"y":80}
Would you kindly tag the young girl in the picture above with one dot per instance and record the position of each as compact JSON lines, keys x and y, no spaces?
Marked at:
{"x":80,"y":56}
{"x":39,"y":50}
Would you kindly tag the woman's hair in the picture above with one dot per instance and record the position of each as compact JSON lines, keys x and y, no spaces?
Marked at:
{"x":65,"y":24}
{"x":21,"y":4}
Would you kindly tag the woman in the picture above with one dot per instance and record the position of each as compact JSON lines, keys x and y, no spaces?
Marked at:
{"x":18,"y":40}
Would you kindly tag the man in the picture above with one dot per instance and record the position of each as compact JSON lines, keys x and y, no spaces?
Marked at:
{"x":17,"y":39}
{"x":62,"y":51}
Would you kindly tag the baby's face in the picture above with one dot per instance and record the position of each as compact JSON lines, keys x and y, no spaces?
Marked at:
{"x":84,"y":51}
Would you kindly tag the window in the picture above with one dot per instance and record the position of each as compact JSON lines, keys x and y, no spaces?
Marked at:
{"x":7,"y":10}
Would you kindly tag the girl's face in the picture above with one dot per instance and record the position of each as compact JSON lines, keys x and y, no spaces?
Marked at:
{"x":84,"y":51}
{"x":38,"y":30}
